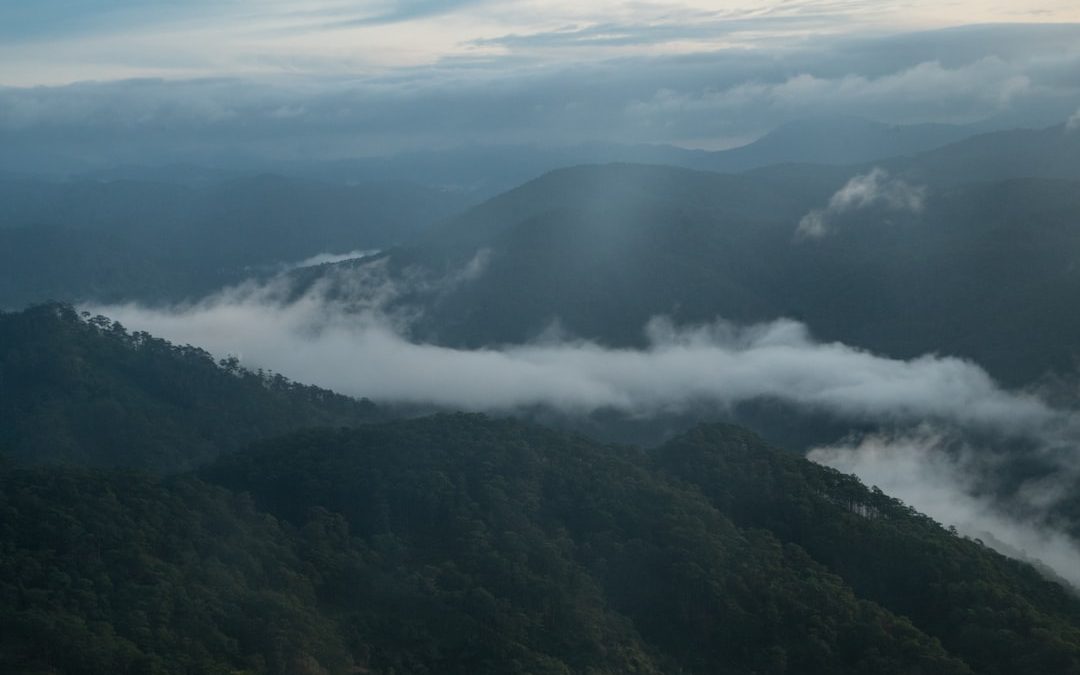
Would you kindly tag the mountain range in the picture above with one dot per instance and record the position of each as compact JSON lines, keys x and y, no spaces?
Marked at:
{"x":169,"y":510}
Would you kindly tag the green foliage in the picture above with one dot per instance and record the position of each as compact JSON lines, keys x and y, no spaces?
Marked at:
{"x":999,"y":614}
{"x":83,"y":390}
{"x":460,"y":544}
{"x":116,"y":573}
{"x":603,"y":542}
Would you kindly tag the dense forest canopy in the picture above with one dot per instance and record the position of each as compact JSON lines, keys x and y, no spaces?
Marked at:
{"x":464,"y":544}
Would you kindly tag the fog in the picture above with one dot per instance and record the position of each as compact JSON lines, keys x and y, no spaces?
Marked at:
{"x":358,"y":343}
{"x":918,"y":469}
{"x":359,"y":346}
{"x":325,"y":258}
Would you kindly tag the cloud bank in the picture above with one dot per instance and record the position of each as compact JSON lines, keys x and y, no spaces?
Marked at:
{"x":354,"y":346}
{"x":876,"y":188}
{"x":325,"y":258}
{"x":50,"y":41}
{"x":1073,"y":122}
{"x":990,"y":76}
{"x":349,"y":332}
{"x":919,"y":469}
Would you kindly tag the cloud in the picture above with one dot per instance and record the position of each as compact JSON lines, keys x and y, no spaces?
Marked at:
{"x":355,"y":347}
{"x":705,"y":27}
{"x":980,"y":87}
{"x":349,"y":331}
{"x":324,"y":258}
{"x":328,"y":107}
{"x":399,"y":11}
{"x":873,"y":189}
{"x":1073,"y":122}
{"x":924,"y":468}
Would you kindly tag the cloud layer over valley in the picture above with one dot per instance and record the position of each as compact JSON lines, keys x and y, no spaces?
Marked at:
{"x":357,"y":343}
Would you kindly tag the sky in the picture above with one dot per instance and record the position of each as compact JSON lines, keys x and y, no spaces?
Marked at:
{"x":62,"y":41}
{"x":330,"y":78}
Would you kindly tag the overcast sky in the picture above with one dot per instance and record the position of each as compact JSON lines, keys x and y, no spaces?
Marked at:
{"x":326,"y":76}
{"x":60,"y":41}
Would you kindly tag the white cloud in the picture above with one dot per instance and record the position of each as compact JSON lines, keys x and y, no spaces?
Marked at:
{"x":875,"y":188}
{"x":357,"y":346}
{"x":325,"y":258}
{"x":1073,"y":122}
{"x":955,"y":93}
{"x":51,"y":39}
{"x":318,"y":102}
{"x":942,"y":483}
{"x":356,"y":342}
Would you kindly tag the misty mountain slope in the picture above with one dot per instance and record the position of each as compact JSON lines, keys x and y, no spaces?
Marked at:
{"x":618,"y":188}
{"x":838,"y":140}
{"x":493,"y":169}
{"x":127,"y":240}
{"x":1053,"y":152}
{"x":1050,"y":153}
{"x":486,"y":169}
{"x":599,"y":244}
{"x":87,"y":392}
{"x":703,"y":583}
{"x":982,"y":270}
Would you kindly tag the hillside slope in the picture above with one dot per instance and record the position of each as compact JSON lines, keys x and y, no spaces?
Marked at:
{"x":460,"y":544}
{"x":84,"y":391}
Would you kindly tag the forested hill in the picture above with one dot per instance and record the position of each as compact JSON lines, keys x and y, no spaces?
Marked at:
{"x":83,"y":390}
{"x":461,"y":544}
{"x":712,"y":552}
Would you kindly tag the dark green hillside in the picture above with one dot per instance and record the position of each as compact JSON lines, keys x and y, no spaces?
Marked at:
{"x":85,"y":391}
{"x":460,"y":544}
{"x":1000,"y":614}
{"x":737,"y":576}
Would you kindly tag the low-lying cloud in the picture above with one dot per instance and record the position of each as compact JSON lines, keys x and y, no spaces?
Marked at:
{"x":873,"y":189}
{"x":328,"y":258}
{"x":1073,"y":122}
{"x":941,"y":482}
{"x":350,"y":332}
{"x":991,"y":77}
{"x":359,"y":348}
